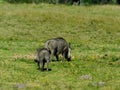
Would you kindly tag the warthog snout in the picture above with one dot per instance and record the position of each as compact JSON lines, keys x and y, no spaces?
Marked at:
{"x":69,"y":59}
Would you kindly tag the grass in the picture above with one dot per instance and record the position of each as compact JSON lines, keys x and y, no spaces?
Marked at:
{"x":93,"y":32}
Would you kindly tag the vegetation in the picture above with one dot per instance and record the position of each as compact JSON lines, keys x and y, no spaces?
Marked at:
{"x":93,"y":32}
{"x":66,"y":1}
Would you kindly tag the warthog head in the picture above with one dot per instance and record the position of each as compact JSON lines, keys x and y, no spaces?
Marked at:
{"x":67,"y":53}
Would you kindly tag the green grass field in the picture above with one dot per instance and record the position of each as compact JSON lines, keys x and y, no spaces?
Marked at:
{"x":94,"y":34}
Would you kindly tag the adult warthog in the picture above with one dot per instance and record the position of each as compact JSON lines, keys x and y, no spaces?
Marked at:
{"x":42,"y":56}
{"x":59,"y":46}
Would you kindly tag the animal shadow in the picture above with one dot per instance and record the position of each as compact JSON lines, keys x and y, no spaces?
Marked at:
{"x":45,"y":69}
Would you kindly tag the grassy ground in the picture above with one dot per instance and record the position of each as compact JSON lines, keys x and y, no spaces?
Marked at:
{"x":94,"y":34}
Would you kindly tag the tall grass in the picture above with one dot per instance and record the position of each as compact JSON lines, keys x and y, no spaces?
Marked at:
{"x":93,"y":32}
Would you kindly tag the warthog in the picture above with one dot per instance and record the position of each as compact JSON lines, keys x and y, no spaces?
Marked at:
{"x":59,"y":46}
{"x":42,"y":56}
{"x":76,"y":2}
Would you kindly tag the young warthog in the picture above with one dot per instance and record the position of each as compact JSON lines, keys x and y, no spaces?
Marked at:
{"x":59,"y":46}
{"x":42,"y":56}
